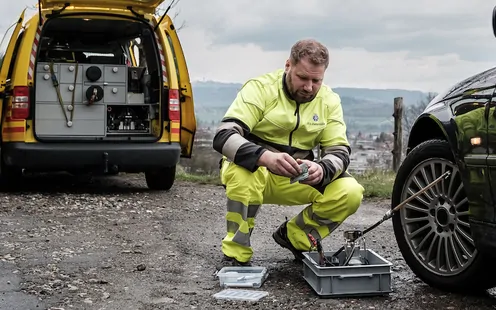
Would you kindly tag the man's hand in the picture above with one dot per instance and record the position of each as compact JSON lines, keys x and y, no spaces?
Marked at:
{"x":315,"y":172}
{"x":280,"y":163}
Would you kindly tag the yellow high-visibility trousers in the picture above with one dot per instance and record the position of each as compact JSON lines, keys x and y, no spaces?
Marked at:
{"x":247,"y":191}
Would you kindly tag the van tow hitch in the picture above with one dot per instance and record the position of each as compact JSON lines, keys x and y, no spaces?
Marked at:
{"x":353,"y":236}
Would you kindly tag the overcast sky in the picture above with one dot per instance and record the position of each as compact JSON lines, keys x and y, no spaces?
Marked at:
{"x":410,"y":44}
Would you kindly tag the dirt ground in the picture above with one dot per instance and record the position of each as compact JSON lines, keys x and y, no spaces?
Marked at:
{"x":67,"y":243}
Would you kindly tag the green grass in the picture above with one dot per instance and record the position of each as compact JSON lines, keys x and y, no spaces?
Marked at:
{"x":377,"y":184}
{"x":201,"y":179}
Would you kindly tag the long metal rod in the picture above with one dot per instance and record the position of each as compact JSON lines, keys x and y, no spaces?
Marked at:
{"x":391,"y":212}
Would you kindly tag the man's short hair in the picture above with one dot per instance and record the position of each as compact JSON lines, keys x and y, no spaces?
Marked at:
{"x":315,"y":51}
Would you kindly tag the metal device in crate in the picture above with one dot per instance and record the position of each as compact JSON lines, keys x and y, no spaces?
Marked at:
{"x":354,"y":242}
{"x":372,"y":278}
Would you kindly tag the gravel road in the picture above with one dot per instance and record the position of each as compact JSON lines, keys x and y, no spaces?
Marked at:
{"x":70,"y":243}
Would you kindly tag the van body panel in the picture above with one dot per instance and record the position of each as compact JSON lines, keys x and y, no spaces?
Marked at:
{"x":172,"y":83}
{"x":23,"y":148}
{"x":147,"y":6}
{"x":187,"y":126}
{"x":12,"y":130}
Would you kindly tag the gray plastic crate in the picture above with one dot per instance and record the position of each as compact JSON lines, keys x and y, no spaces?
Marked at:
{"x":348,"y":281}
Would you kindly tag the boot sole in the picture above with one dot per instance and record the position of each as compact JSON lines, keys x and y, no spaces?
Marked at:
{"x":284,"y":244}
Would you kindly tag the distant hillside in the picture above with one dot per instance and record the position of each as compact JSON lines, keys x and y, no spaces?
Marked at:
{"x":364,"y":109}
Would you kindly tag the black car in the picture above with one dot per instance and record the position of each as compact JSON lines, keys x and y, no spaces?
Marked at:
{"x":447,"y":236}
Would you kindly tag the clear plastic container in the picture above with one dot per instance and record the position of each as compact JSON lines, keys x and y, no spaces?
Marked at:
{"x":252,"y":277}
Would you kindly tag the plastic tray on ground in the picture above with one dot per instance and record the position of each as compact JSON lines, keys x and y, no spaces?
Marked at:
{"x":241,"y":295}
{"x":248,"y":276}
{"x":347,"y":281}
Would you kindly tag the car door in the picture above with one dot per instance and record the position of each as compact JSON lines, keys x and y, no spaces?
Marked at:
{"x":188,"y":118}
{"x":490,"y":115}
{"x":470,"y":115}
{"x":7,"y":49}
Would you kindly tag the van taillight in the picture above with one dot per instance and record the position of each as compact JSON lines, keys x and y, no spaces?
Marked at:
{"x":20,"y":102}
{"x":174,"y":107}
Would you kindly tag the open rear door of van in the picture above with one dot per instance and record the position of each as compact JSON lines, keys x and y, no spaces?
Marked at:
{"x":188,"y":118}
{"x":146,"y":6}
{"x":6,"y":62}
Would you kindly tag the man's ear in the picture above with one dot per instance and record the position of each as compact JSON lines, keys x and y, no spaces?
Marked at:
{"x":287,"y":66}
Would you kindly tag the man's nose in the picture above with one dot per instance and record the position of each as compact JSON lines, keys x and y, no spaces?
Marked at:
{"x":308,"y":86}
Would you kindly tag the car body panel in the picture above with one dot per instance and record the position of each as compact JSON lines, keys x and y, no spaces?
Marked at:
{"x":464,"y":115}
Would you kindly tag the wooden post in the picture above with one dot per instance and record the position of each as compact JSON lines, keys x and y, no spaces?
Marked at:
{"x":398,"y":134}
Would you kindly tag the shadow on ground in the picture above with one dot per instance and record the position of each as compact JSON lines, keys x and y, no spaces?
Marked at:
{"x":74,"y":184}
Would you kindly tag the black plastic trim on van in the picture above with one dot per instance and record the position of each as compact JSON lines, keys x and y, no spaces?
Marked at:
{"x":128,"y":157}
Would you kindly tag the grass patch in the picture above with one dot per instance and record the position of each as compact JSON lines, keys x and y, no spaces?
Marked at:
{"x":196,"y":178}
{"x":377,"y":184}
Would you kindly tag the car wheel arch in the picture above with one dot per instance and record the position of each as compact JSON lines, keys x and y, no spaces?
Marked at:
{"x":426,"y":127}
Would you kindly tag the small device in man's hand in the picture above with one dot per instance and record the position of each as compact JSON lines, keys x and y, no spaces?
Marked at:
{"x":302,"y":176}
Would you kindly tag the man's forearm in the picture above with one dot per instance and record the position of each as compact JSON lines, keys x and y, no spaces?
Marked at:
{"x":335,"y":160}
{"x":229,"y":141}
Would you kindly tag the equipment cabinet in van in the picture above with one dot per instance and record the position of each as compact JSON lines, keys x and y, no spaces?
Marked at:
{"x":95,"y":86}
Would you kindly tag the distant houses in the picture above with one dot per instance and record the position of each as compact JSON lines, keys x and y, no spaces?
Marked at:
{"x":369,"y":152}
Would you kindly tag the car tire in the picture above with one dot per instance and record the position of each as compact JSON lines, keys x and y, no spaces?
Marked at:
{"x":477,"y":274}
{"x":161,"y":179}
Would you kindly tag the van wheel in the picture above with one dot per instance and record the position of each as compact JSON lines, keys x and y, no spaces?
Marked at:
{"x":9,"y":176}
{"x":161,"y":179}
{"x":433,"y":231}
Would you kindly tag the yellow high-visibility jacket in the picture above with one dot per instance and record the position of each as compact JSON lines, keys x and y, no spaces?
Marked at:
{"x":264,"y":117}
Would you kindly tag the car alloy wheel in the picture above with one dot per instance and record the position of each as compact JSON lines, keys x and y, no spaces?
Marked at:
{"x":436,"y":224}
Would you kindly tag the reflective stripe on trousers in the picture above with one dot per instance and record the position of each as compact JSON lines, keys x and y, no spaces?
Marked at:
{"x":247,"y":191}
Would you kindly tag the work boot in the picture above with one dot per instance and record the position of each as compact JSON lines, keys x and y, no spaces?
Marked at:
{"x":227,"y":261}
{"x":281,"y":237}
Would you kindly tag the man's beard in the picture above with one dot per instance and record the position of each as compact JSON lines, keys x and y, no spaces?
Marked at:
{"x":294,"y":94}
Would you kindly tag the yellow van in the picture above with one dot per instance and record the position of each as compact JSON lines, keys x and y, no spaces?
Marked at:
{"x":96,"y":86}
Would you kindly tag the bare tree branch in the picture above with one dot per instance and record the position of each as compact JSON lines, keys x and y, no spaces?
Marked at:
{"x":411,"y":113}
{"x":176,"y":14}
{"x":161,"y":10}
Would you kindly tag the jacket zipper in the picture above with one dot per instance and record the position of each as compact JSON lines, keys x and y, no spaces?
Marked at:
{"x":297,"y":114}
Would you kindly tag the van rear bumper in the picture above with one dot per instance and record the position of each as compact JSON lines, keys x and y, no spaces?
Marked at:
{"x":125,"y":157}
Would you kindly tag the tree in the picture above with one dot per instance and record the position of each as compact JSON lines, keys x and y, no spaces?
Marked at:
{"x":411,"y":113}
{"x":172,"y":4}
{"x":159,"y":12}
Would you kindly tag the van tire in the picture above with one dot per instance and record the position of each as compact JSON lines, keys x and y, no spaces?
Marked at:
{"x":161,"y":179}
{"x":9,"y":176}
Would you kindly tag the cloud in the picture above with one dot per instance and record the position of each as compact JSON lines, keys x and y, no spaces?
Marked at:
{"x":420,"y":27}
{"x":411,"y":44}
{"x":351,"y":67}
{"x":9,"y":13}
